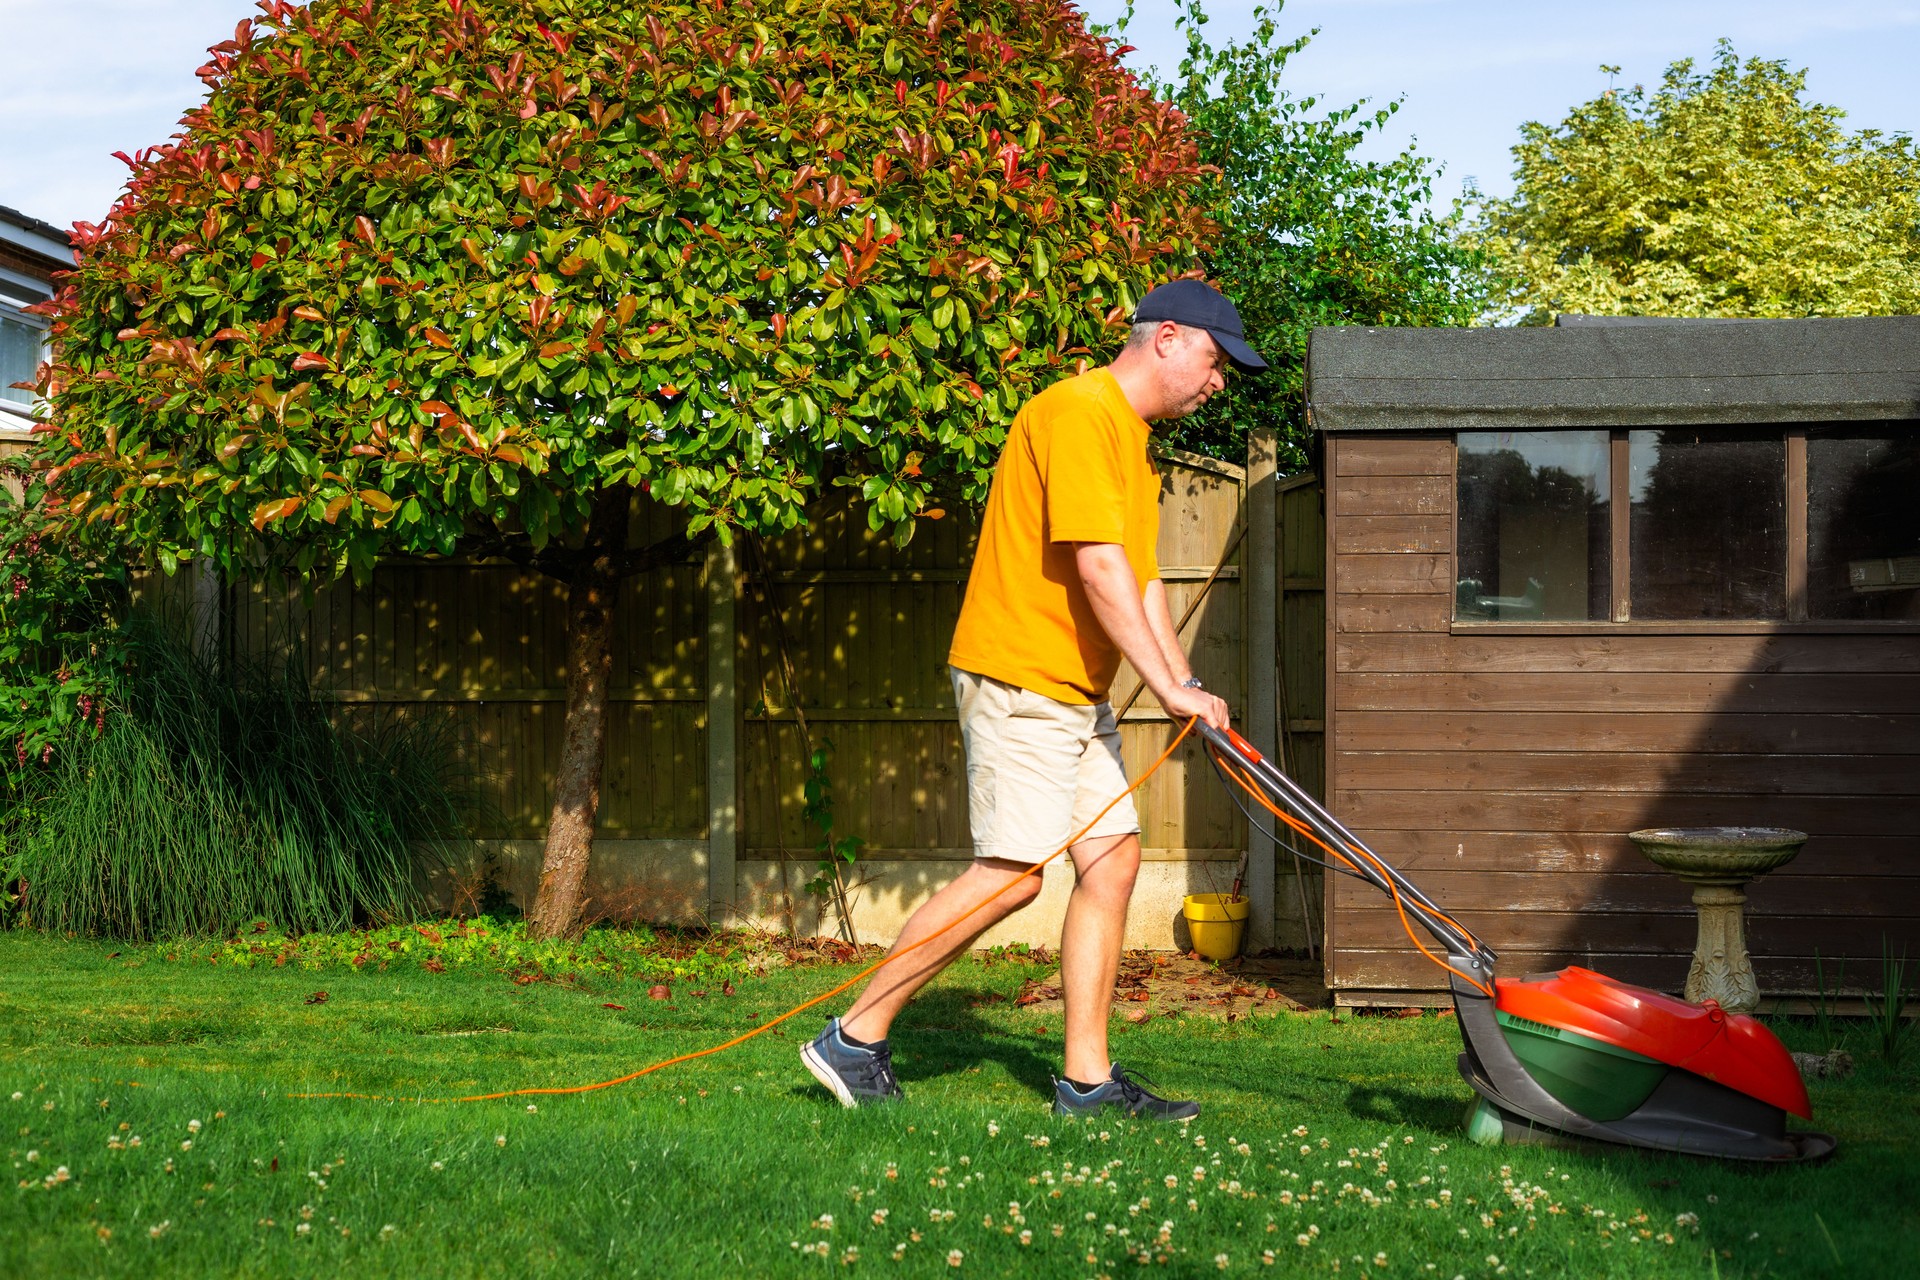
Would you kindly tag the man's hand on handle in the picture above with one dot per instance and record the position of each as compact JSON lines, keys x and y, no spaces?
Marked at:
{"x":1184,"y":704}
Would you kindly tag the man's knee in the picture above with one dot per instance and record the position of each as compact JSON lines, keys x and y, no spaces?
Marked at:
{"x":1022,"y":890}
{"x":1108,"y":866}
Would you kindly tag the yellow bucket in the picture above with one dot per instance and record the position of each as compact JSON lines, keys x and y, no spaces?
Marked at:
{"x":1217,"y":922}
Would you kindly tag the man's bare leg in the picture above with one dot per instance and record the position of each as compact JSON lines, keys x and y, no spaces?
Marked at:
{"x":873,"y":1013}
{"x":1090,"y":939}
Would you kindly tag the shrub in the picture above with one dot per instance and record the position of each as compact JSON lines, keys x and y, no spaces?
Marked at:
{"x":219,"y":791}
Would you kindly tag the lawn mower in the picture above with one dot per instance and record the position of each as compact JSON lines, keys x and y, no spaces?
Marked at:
{"x":1570,"y":1056}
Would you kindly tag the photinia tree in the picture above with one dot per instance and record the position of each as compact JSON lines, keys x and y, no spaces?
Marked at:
{"x":438,"y":277}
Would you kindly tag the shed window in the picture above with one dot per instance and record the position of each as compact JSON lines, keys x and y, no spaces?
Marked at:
{"x":1533,"y":536}
{"x":1712,"y":524}
{"x":1863,"y":526}
{"x":1709,"y":524}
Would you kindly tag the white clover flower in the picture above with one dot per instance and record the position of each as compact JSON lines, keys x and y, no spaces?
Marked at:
{"x":499,"y":1139}
{"x":303,"y":1228}
{"x":531,"y":1107}
{"x":193,"y":1126}
{"x":187,"y":1144}
{"x":955,"y":1257}
{"x":1220,"y":1260}
{"x":159,"y":1229}
{"x":437,"y":1166}
{"x":388,"y":1232}
{"x":1380,"y":1259}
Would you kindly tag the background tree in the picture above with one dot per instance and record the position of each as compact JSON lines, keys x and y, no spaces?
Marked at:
{"x":1722,"y":193}
{"x":440,"y":276}
{"x":1310,"y":232}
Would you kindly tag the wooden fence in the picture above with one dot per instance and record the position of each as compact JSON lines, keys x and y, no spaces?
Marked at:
{"x":702,"y":801}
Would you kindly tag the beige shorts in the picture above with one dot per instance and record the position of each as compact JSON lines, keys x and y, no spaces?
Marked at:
{"x":1038,"y":770}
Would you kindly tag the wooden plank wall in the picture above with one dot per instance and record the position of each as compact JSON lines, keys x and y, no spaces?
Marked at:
{"x":1502,"y":772}
{"x":867,"y":627}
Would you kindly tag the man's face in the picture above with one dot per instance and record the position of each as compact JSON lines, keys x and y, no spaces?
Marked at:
{"x":1193,"y":371}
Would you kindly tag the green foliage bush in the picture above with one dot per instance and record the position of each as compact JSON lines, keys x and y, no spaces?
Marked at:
{"x":428,"y":271}
{"x":216,"y":791}
{"x":1723,"y":192}
{"x":59,"y":649}
{"x":1310,"y":232}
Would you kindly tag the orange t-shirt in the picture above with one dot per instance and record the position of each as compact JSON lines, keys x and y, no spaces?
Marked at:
{"x":1075,"y":469}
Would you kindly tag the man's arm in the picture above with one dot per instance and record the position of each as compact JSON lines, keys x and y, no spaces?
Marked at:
{"x":1160,"y":621}
{"x":1123,"y":614}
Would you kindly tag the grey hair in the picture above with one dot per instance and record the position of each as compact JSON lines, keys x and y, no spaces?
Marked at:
{"x":1140,"y":336}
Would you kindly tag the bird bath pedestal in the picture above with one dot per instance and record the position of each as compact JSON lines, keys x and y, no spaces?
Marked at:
{"x":1718,"y":862}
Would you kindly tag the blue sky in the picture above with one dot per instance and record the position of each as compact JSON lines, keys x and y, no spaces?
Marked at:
{"x":91,"y":78}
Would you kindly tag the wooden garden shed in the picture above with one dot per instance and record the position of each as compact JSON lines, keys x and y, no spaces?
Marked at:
{"x":1619,"y":574}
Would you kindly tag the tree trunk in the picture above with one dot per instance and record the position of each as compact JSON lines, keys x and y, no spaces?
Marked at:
{"x":592,"y":590}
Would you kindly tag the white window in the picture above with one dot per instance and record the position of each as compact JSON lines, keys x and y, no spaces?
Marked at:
{"x":23,"y":346}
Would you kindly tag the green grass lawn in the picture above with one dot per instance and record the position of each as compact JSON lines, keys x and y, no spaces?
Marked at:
{"x":149,"y":1132}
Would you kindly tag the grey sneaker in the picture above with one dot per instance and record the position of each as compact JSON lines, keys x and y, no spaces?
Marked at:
{"x":1124,"y":1089}
{"x":856,"y":1076}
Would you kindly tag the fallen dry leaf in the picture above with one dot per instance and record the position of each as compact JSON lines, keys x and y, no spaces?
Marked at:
{"x":660,"y":991}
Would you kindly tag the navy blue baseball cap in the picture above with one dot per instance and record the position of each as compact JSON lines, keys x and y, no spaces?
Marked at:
{"x":1199,"y":305}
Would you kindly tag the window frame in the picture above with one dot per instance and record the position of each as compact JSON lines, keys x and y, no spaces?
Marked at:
{"x":1620,"y":516}
{"x":18,"y":291}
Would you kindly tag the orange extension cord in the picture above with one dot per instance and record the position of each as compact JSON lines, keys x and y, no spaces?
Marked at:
{"x":1245,"y":784}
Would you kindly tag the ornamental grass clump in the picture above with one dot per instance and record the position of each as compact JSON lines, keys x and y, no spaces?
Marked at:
{"x":219,"y":791}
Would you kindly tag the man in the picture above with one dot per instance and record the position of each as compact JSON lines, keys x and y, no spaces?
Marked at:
{"x":1065,"y":582}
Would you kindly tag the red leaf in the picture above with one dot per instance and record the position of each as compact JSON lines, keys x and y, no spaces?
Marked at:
{"x":437,"y":338}
{"x":553,"y":349}
{"x":258,"y":261}
{"x":620,"y":1007}
{"x":377,"y":500}
{"x":310,"y":360}
{"x":335,"y":507}
{"x":307,"y":313}
{"x":226,"y":334}
{"x":270,"y":511}
{"x":363,"y":227}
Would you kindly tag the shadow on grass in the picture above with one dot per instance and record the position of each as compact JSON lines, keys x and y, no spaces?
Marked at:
{"x":1434,"y":1112}
{"x":942,"y":1033}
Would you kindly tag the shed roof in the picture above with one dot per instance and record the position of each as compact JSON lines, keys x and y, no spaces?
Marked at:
{"x":1593,"y":374}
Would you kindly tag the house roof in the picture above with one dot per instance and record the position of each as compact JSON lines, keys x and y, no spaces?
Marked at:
{"x":41,"y":239}
{"x":1592,"y":372}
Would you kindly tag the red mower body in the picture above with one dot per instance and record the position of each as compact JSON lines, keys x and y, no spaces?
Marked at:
{"x":1727,"y":1048}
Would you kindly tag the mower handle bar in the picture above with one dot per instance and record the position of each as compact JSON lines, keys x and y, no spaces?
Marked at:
{"x":1371,"y":868}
